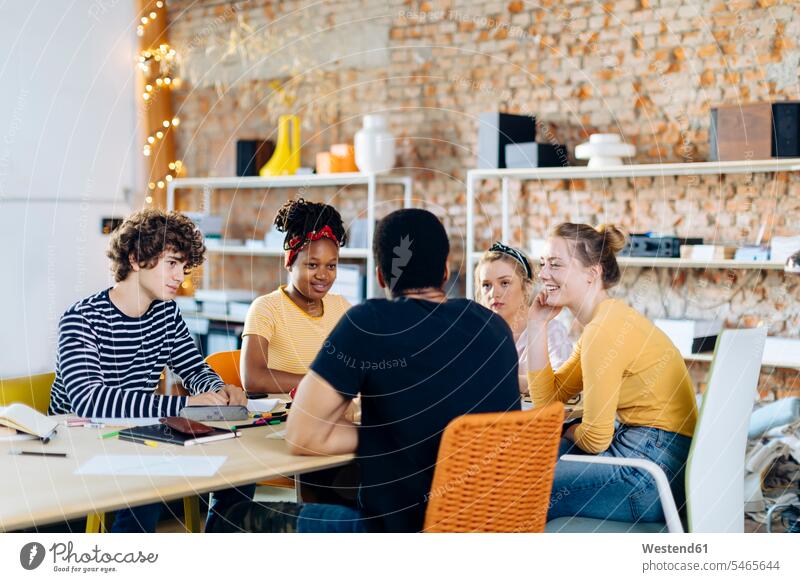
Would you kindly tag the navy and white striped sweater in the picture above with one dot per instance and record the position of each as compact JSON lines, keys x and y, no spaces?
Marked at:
{"x":109,"y":364}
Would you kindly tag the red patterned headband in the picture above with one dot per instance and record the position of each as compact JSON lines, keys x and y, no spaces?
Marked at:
{"x":298,"y":243}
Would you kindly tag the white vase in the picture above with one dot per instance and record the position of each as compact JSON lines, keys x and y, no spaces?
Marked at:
{"x":374,"y":145}
{"x":604,"y":149}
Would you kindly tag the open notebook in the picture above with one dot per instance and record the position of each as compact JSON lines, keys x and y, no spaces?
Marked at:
{"x":27,"y":420}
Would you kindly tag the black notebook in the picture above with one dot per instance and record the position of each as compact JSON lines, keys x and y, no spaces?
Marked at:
{"x":163,"y":434}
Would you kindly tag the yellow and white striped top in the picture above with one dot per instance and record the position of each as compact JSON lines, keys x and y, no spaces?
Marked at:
{"x":294,"y":336}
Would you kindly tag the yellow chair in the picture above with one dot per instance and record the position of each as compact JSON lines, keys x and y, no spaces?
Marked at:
{"x":226,"y":365}
{"x":35,"y":392}
{"x":494,"y":472}
{"x":31,"y":390}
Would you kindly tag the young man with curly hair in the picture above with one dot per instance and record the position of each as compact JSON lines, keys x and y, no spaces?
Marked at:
{"x":114,"y":345}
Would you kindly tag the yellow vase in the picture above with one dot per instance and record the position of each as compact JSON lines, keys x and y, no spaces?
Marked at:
{"x":286,"y":158}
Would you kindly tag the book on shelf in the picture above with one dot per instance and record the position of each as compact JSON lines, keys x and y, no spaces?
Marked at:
{"x":185,"y":303}
{"x":224,"y":295}
{"x":238,"y":309}
{"x":162,"y":433}
{"x":215,"y":307}
{"x":217,"y":243}
{"x":350,"y":283}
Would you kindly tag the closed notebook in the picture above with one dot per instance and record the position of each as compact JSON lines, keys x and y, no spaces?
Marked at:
{"x":165,"y":434}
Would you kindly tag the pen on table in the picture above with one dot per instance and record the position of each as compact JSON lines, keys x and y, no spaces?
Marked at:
{"x":267,"y":420}
{"x":109,"y":435}
{"x":37,"y":454}
{"x":269,"y":415}
{"x":260,"y":422}
{"x":46,"y":438}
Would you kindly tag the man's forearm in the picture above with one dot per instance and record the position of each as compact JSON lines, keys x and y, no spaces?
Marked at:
{"x":341,"y":439}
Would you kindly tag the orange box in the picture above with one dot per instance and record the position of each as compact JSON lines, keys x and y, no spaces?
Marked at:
{"x":343,"y":158}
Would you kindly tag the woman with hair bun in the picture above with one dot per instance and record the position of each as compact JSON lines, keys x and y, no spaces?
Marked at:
{"x":628,"y":370}
{"x":285,"y":329}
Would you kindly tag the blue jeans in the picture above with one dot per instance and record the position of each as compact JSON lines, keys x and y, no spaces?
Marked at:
{"x":324,"y":518}
{"x":620,"y":493}
{"x":144,"y":518}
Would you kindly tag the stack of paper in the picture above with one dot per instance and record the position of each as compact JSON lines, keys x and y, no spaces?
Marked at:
{"x":262,"y":405}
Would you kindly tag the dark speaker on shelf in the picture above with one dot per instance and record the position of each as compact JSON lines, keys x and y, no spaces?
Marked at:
{"x":786,"y":127}
{"x":643,"y":245}
{"x":251,"y":155}
{"x":536,"y":155}
{"x":496,"y":130}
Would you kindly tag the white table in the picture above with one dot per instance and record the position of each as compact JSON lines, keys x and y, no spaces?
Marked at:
{"x":39,"y":490}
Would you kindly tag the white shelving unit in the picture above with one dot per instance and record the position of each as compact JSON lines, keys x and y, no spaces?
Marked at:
{"x":765,"y":363}
{"x":212,"y":317}
{"x":631,"y":171}
{"x":371,"y":181}
{"x":664,"y":263}
{"x":345,"y":252}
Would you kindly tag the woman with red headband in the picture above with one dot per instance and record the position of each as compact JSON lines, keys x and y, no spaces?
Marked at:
{"x":285,"y":329}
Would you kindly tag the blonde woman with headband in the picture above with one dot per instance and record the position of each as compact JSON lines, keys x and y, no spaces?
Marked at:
{"x":504,"y":284}
{"x":628,"y":370}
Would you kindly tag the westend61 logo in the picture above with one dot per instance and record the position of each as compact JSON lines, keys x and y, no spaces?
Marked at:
{"x":65,"y":559}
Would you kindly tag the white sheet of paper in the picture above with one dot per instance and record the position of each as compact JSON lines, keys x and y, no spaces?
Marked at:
{"x":153,"y":466}
{"x":9,"y":438}
{"x":262,"y":404}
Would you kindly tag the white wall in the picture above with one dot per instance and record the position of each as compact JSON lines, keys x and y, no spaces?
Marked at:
{"x":69,"y":154}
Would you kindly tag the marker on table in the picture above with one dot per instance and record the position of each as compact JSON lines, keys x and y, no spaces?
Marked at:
{"x":109,"y":435}
{"x":260,"y":422}
{"x":269,"y":415}
{"x":37,"y":454}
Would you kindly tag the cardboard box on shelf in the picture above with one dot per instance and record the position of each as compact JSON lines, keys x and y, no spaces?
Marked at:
{"x":708,"y":252}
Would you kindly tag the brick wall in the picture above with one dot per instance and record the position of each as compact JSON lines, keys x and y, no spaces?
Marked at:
{"x":647,"y":69}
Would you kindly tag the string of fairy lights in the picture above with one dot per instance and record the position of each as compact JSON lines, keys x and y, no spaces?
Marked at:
{"x":145,"y":20}
{"x":158,"y":66}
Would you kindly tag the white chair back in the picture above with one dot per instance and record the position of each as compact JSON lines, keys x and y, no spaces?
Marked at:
{"x":715,"y":468}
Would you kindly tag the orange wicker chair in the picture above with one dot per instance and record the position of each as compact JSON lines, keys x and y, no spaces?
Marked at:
{"x":226,"y":365}
{"x":494,"y":472}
